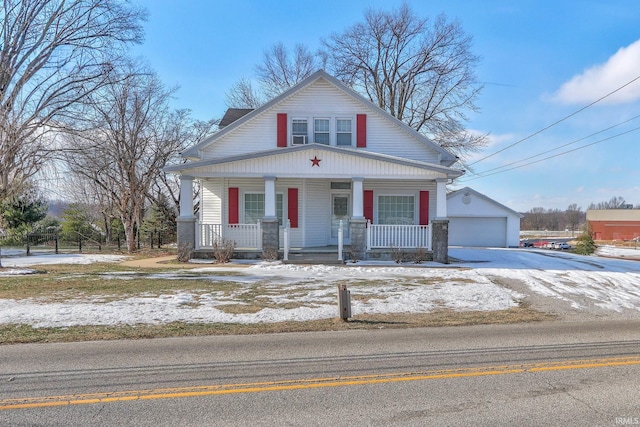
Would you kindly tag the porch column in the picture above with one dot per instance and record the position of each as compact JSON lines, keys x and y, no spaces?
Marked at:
{"x":186,"y":221}
{"x":440,"y":225}
{"x":357,"y":224}
{"x":186,"y":196}
{"x":270,"y":197}
{"x":441,"y":198}
{"x":358,"y":198}
{"x":270,"y":226}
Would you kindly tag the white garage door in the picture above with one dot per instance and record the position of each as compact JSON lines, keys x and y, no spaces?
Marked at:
{"x":478,"y":231}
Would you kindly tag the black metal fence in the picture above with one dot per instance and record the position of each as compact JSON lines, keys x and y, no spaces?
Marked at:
{"x":54,"y":242}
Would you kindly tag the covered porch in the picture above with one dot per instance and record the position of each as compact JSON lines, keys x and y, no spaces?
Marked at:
{"x":381,"y":240}
{"x":361,"y":203}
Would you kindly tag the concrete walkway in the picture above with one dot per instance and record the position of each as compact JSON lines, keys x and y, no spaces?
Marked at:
{"x":169,"y":261}
{"x":159,"y":262}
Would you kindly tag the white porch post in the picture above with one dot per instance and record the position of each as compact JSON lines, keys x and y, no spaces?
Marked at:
{"x":357,"y":224}
{"x":270,"y":197}
{"x":358,"y":198}
{"x":270,"y":226}
{"x":186,"y":196}
{"x":441,"y":194}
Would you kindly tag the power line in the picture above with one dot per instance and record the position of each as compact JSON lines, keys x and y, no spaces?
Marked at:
{"x":554,"y":156}
{"x":480,"y":174}
{"x":556,"y":122}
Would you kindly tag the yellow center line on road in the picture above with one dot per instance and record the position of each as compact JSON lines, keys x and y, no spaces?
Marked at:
{"x":212,"y":390}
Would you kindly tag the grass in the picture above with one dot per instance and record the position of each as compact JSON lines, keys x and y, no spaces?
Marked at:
{"x":108,"y":282}
{"x":17,"y":334}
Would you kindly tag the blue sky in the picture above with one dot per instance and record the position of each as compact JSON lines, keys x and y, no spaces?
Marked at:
{"x":541,"y":62}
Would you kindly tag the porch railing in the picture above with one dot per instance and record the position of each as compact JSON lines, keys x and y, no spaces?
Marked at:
{"x":398,"y":236}
{"x":244,"y":235}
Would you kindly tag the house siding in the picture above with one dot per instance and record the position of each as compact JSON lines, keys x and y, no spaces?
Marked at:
{"x":211,"y":197}
{"x":332,"y":165}
{"x":321,"y":99}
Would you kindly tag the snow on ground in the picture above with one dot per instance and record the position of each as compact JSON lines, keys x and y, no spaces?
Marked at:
{"x":310,"y":292}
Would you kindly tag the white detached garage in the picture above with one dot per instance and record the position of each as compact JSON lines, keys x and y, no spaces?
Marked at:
{"x":477,"y":220}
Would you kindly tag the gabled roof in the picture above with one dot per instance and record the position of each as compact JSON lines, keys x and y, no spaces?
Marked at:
{"x":232,"y":115}
{"x":466,"y":190}
{"x":450,"y":172}
{"x":447,"y":158}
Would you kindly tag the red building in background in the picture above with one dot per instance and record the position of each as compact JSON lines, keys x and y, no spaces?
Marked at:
{"x":614,"y":224}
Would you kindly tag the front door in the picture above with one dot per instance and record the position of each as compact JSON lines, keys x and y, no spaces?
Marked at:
{"x":340,"y":210}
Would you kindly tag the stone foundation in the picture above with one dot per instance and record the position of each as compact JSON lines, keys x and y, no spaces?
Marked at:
{"x":440,"y":240}
{"x":358,"y":233}
{"x":186,"y":232}
{"x":270,"y":237}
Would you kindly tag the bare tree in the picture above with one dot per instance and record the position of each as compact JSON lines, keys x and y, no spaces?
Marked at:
{"x":52,"y":54}
{"x":614,"y":203}
{"x":167,"y":186}
{"x":574,"y":216}
{"x":243,"y":95}
{"x":131,"y":135}
{"x":278,"y":71}
{"x":419,"y":70}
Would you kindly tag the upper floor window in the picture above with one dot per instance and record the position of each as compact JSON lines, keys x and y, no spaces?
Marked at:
{"x":343,"y":132}
{"x":321,"y":131}
{"x":328,"y":130}
{"x":299,"y":131}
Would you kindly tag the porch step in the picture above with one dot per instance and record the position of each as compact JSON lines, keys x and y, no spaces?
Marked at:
{"x":314,"y":258}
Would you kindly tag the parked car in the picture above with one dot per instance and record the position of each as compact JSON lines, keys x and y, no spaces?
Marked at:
{"x":563,"y":245}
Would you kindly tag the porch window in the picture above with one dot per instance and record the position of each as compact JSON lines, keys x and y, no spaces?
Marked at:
{"x":396,"y":210}
{"x":254,"y":207}
{"x":321,"y":131}
{"x":343,"y":132}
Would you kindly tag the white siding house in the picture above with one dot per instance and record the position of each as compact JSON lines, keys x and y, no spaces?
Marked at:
{"x":477,"y":220}
{"x":318,"y":166}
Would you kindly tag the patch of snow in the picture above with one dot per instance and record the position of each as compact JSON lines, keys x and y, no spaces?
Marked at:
{"x":376,"y":287}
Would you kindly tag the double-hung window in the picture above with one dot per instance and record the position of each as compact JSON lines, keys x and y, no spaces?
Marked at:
{"x":344,"y":132}
{"x":396,"y":210}
{"x":254,"y":207}
{"x":321,"y":131}
{"x":299,"y":131}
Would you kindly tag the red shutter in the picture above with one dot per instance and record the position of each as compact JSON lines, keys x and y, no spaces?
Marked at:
{"x":424,"y":208}
{"x":361,"y":129}
{"x":234,"y":206}
{"x":368,"y":205}
{"x":292,"y":206}
{"x":282,"y":129}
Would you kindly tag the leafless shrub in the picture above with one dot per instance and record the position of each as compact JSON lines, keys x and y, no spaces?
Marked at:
{"x":420,"y":255}
{"x":398,"y":255}
{"x":184,"y":252}
{"x":223,"y":250}
{"x":355,"y":252}
{"x":270,"y":254}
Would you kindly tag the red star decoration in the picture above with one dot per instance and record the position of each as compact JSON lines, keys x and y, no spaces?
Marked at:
{"x":315,"y":161}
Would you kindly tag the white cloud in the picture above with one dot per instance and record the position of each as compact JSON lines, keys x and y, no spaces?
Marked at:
{"x":601,"y":79}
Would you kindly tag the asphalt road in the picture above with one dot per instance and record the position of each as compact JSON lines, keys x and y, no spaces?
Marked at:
{"x":555,"y":373}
